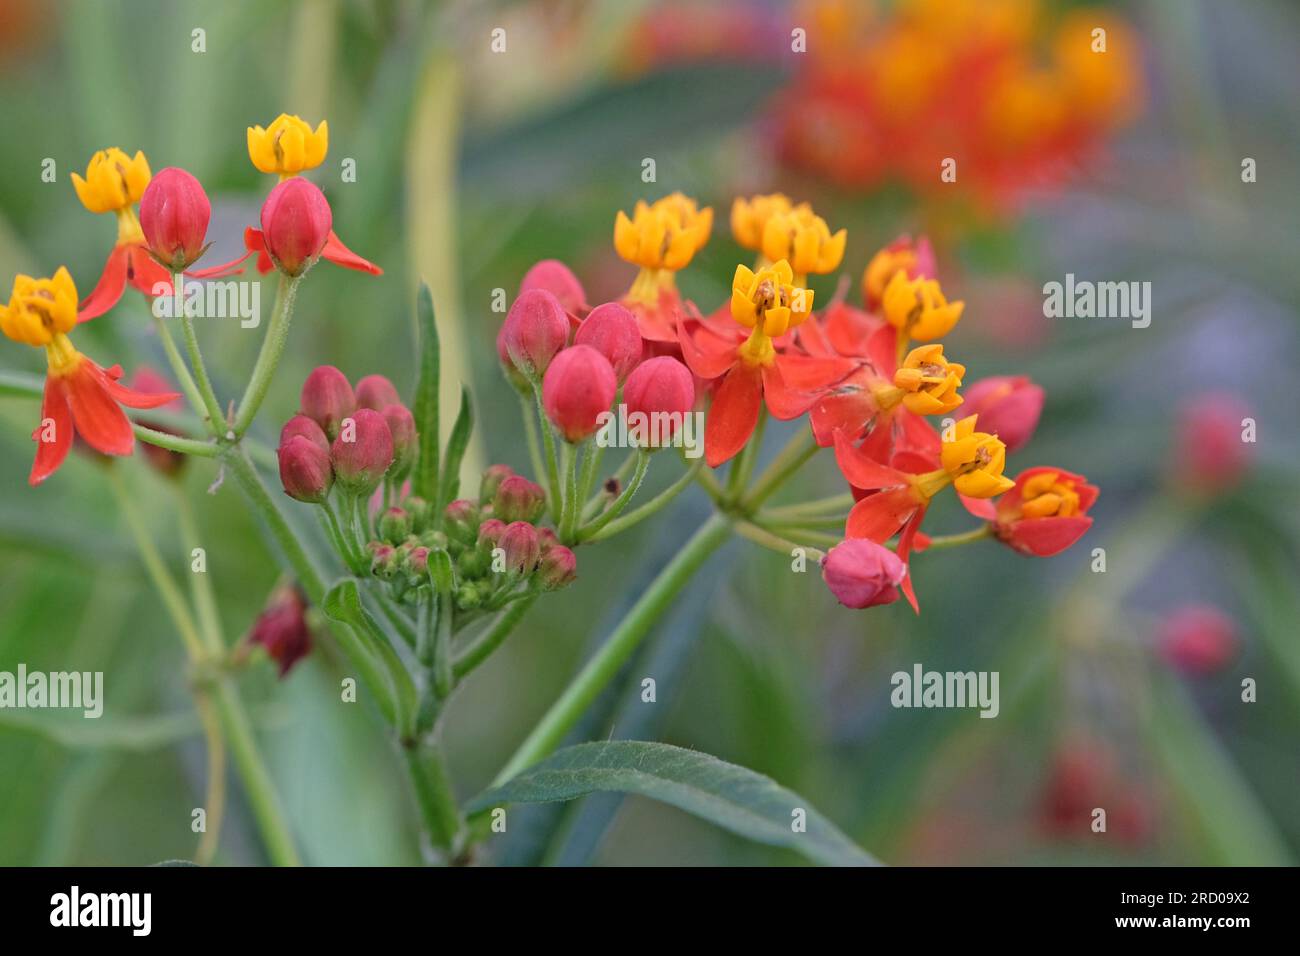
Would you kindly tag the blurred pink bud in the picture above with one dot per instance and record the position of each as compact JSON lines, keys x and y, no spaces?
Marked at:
{"x":282,"y":629}
{"x":377,"y":392}
{"x":535,"y":329}
{"x":862,"y":573}
{"x":660,"y":385}
{"x":296,"y":222}
{"x":557,"y":567}
{"x":521,"y":547}
{"x":1212,"y":452}
{"x":578,"y":387}
{"x":362,"y":452}
{"x":1007,"y":405}
{"x":1197,"y":639}
{"x":460,"y":519}
{"x":553,"y":276}
{"x":302,"y":426}
{"x":401,"y":425}
{"x":305,"y":470}
{"x":327,"y":398}
{"x":518,"y":499}
{"x":612,"y":331}
{"x":489,"y":533}
{"x":174,"y":213}
{"x":493,"y":475}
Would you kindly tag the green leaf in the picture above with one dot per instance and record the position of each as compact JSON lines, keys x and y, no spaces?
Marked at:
{"x":20,"y":385}
{"x":737,"y":799}
{"x":140,"y":734}
{"x":456,"y":445}
{"x":425,"y":480}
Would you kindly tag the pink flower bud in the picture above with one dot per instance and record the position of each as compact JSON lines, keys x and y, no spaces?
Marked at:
{"x":612,"y":331}
{"x":417,"y":562}
{"x":862,"y":573}
{"x":296,"y":222}
{"x":518,"y":499}
{"x":493,"y":475}
{"x":304,"y":470}
{"x":1211,"y":455}
{"x":1198,"y":639}
{"x":282,"y":629}
{"x":401,"y":425}
{"x":461,"y":520}
{"x":1007,"y":405}
{"x":489,"y":533}
{"x":578,"y":387}
{"x":327,"y":398}
{"x":521,"y":547}
{"x":658,"y":386}
{"x":304,"y":427}
{"x":557,"y":567}
{"x":553,"y":276}
{"x":174,"y":213}
{"x":377,"y":392}
{"x":362,"y":452}
{"x":547,"y":539}
{"x":535,"y":329}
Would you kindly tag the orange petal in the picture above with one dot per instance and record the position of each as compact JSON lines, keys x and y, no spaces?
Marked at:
{"x":341,"y":255}
{"x":878,"y":517}
{"x":50,"y":454}
{"x":860,"y":470}
{"x":98,"y":417}
{"x":733,"y":415}
{"x":108,"y":290}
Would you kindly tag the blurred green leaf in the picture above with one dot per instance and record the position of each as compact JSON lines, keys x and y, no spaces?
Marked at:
{"x":456,"y":445}
{"x":425,"y":480}
{"x":734,"y":798}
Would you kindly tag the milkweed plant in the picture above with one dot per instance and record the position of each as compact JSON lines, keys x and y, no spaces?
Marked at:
{"x":427,"y":578}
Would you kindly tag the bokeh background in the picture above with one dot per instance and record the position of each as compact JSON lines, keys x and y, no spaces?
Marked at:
{"x":1120,"y":690}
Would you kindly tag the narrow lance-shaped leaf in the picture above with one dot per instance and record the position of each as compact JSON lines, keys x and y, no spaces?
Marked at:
{"x":456,"y":445}
{"x":737,"y":799}
{"x":424,"y":482}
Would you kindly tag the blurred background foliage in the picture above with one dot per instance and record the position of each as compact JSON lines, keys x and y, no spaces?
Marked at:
{"x":471,"y":165}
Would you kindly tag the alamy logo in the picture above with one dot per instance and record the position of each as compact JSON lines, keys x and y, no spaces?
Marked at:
{"x":58,"y":689}
{"x":210,"y":300}
{"x":623,"y":429}
{"x":102,"y":909}
{"x":1102,"y":300}
{"x":923,"y":688}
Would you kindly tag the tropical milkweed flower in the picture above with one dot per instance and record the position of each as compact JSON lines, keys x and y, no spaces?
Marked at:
{"x":288,"y":146}
{"x":805,"y":241}
{"x":114,"y":182}
{"x":174,"y":214}
{"x":917,"y":308}
{"x":928,"y":381}
{"x":862,"y":573}
{"x":661,"y":238}
{"x":81,"y":398}
{"x":754,"y":371}
{"x":578,"y":388}
{"x":1045,"y":512}
{"x":749,"y":217}
{"x":914,"y":260}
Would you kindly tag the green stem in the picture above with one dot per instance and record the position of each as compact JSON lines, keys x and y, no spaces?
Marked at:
{"x":941,"y":541}
{"x":651,"y":507}
{"x":572,"y":503}
{"x":434,"y":795}
{"x":743,"y":465}
{"x":277,"y":333}
{"x":205,"y":601}
{"x":600,"y":670}
{"x":186,"y":446}
{"x":345,"y":548}
{"x":548,"y":442}
{"x":534,"y":443}
{"x":791,"y":458}
{"x":774,"y":541}
{"x":487,"y":642}
{"x":201,"y":379}
{"x":621,"y":502}
{"x":182,"y":373}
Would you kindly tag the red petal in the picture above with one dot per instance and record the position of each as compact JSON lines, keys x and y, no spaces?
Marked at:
{"x":145,"y":273}
{"x":50,"y":455}
{"x":733,"y":415}
{"x":707,"y":354}
{"x":1044,"y":537}
{"x":904,"y":551}
{"x":98,"y":417}
{"x":341,"y":255}
{"x":848,"y":406}
{"x":223,"y":271}
{"x":980,"y":507}
{"x":133,"y":399}
{"x":860,"y":470}
{"x":812,"y":339}
{"x":878,"y":517}
{"x":810,"y":372}
{"x":918,"y":435}
{"x":882,"y":350}
{"x":108,"y":290}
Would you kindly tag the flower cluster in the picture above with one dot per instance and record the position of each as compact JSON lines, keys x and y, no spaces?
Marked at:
{"x":870,"y":379}
{"x":162,"y":223}
{"x":1015,"y":95}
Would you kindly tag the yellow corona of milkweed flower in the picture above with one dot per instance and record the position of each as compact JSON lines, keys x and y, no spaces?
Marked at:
{"x":918,"y":309}
{"x":974,"y":461}
{"x":804,"y":240}
{"x":288,"y":146}
{"x":749,"y":217}
{"x":768,"y":300}
{"x":929,"y":381}
{"x":664,"y":234}
{"x":40,"y":309}
{"x":114,"y":181}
